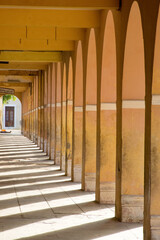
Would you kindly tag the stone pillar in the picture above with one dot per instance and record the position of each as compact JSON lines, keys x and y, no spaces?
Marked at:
{"x":77,"y":167}
{"x":58,"y":115}
{"x":107,"y":153}
{"x":106,"y":116}
{"x":46,"y":111}
{"x":39,"y":108}
{"x":78,"y":117}
{"x":63,"y":152}
{"x":51,"y":121}
{"x":42,"y":109}
{"x":53,"y":112}
{"x":90,"y":158}
{"x":90,"y":117}
{"x":133,"y":117}
{"x":1,"y":110}
{"x":49,"y":109}
{"x":131,"y":123}
{"x":69,"y":119}
{"x":155,"y":170}
{"x":32,"y":112}
{"x":152,"y":146}
{"x":30,"y":108}
{"x":36,"y":110}
{"x":69,"y":136}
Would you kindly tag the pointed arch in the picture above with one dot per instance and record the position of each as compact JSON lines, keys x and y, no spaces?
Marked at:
{"x":108,"y":82}
{"x":91,"y":82}
{"x":133,"y":70}
{"x":156,"y":65}
{"x":133,"y":119}
{"x":155,"y":126}
{"x":79,"y":77}
{"x":63,"y":166}
{"x":58,"y":114}
{"x":90,"y":119}
{"x":12,"y":113}
{"x":108,"y":115}
{"x":69,"y":118}
{"x":70,"y":80}
{"x":78,"y":115}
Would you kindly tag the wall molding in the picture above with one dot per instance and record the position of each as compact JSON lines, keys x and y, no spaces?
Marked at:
{"x":156,"y":99}
{"x":133,"y":104}
{"x":108,"y":106}
{"x":58,"y":104}
{"x":91,"y":107}
{"x":69,"y":102}
{"x":78,"y":109}
{"x":64,"y":103}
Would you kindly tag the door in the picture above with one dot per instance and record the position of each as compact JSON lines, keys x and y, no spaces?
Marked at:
{"x":9,"y":117}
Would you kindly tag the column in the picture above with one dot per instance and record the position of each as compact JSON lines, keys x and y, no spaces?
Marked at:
{"x":32,"y":112}
{"x":36,"y":110}
{"x":78,"y":116}
{"x":69,"y":118}
{"x":53,"y":111}
{"x":49,"y":109}
{"x":58,"y":115}
{"x":152,"y":146}
{"x":106,"y":117}
{"x":130,"y":164}
{"x":39,"y":108}
{"x":42,"y":108}
{"x":63,"y":157}
{"x":90,"y":117}
{"x":46,"y":111}
{"x":1,"y":110}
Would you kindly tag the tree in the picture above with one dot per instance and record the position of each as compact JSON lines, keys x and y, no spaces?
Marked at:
{"x":8,"y":97}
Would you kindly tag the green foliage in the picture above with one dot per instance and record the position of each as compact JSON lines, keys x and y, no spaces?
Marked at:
{"x":8,"y":97}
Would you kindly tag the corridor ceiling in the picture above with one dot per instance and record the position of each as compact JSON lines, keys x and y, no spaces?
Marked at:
{"x":37,"y":32}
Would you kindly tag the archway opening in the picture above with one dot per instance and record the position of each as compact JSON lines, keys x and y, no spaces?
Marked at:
{"x":64,"y":84}
{"x":11,"y":113}
{"x":78,"y":115}
{"x":108,"y":115}
{"x":69,"y":117}
{"x":152,"y":197}
{"x":91,"y":107}
{"x":58,"y":114}
{"x":133,"y":120}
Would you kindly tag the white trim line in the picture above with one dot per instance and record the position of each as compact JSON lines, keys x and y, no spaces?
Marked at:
{"x":42,"y":107}
{"x":58,"y":104}
{"x":53,"y":105}
{"x":155,"y":99}
{"x":64,"y":103}
{"x":48,"y":105}
{"x":90,"y":107}
{"x":108,"y":106}
{"x":133,"y":104}
{"x":78,"y":109}
{"x":69,"y":102}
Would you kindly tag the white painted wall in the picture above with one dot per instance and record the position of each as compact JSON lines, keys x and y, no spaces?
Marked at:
{"x":17,"y":114}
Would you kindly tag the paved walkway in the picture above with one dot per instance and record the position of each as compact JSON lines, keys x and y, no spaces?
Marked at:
{"x":38,"y":202}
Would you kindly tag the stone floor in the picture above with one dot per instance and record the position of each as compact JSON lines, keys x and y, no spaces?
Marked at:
{"x":38,"y":202}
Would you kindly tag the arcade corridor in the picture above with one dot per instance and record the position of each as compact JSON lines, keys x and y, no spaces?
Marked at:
{"x":38,"y":202}
{"x":87,"y":74}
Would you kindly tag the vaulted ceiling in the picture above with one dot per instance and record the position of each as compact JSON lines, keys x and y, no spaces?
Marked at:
{"x":37,"y":32}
